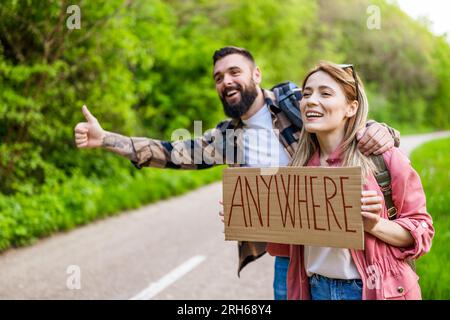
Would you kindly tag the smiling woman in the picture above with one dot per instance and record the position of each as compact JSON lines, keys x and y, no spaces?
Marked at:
{"x":332,"y":101}
{"x":334,"y":107}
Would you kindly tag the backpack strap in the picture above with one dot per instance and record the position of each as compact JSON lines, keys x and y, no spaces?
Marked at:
{"x":287,"y":96}
{"x":384,"y":181}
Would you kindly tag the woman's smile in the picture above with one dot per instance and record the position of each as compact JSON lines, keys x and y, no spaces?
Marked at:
{"x":313,"y":116}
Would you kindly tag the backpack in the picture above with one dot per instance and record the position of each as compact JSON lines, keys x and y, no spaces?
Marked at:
{"x":287,"y":95}
{"x":383,"y":178}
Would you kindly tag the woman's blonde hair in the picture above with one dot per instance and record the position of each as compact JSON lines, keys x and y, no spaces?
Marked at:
{"x":352,"y":156}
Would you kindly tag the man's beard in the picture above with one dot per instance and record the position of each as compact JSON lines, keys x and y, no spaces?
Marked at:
{"x":248,"y":96}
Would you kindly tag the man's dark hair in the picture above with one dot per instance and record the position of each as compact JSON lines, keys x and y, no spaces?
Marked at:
{"x":225,"y":51}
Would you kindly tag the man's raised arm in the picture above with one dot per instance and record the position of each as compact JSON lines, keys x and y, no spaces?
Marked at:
{"x":188,"y":154}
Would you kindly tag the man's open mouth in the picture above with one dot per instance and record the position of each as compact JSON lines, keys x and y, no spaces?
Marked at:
{"x":231,"y":93}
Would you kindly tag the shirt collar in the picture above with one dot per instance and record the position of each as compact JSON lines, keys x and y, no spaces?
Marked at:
{"x":335,"y":158}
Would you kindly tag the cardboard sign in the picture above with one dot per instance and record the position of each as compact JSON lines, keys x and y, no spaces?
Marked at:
{"x":294,"y":205}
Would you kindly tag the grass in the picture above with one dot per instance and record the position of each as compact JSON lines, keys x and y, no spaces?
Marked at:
{"x":433,"y":165}
{"x":79,"y":200}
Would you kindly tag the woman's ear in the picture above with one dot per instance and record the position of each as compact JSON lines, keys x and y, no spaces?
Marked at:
{"x":351,"y":109}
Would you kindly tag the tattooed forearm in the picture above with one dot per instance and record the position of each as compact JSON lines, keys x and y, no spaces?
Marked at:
{"x":119,"y":144}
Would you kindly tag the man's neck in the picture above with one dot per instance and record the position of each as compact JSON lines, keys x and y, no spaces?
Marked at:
{"x":255,"y":107}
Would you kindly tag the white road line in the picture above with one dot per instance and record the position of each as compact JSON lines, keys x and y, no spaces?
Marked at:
{"x":156,"y":287}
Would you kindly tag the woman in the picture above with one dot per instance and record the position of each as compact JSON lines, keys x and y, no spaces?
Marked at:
{"x":333,"y":108}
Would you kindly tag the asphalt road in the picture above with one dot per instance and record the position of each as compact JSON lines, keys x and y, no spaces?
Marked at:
{"x":172,"y":249}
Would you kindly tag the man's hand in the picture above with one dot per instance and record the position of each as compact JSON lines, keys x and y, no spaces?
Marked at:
{"x":89,"y":134}
{"x":374,"y":139}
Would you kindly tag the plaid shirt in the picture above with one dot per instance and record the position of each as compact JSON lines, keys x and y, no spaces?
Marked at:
{"x":222,"y":145}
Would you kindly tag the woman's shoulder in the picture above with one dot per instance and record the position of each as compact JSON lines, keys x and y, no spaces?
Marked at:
{"x":394,"y":158}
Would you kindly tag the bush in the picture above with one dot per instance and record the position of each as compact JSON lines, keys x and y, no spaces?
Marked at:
{"x":80,"y":200}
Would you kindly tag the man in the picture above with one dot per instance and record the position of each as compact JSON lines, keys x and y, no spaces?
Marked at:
{"x":258,"y":134}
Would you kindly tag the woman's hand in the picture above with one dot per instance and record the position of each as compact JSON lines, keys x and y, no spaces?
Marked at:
{"x":371,"y":206}
{"x":384,"y":229}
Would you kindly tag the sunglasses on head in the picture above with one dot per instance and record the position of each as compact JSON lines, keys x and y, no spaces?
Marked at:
{"x":345,"y":66}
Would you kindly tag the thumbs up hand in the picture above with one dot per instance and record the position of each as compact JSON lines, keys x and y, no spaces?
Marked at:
{"x":89,"y":134}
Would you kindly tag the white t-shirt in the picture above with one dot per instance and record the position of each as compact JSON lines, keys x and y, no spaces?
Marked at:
{"x":336,"y":263}
{"x":262,"y":148}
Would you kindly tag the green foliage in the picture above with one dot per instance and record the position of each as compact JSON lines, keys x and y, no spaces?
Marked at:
{"x":144,"y":69}
{"x":402,"y":63}
{"x":80,"y":200}
{"x":431,"y":162}
{"x":437,"y":113}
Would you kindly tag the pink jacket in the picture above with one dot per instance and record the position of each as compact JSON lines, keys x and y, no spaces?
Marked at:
{"x":383,"y":269}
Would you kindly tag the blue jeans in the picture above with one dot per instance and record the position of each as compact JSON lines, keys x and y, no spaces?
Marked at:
{"x":323,"y":288}
{"x":280,"y":277}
